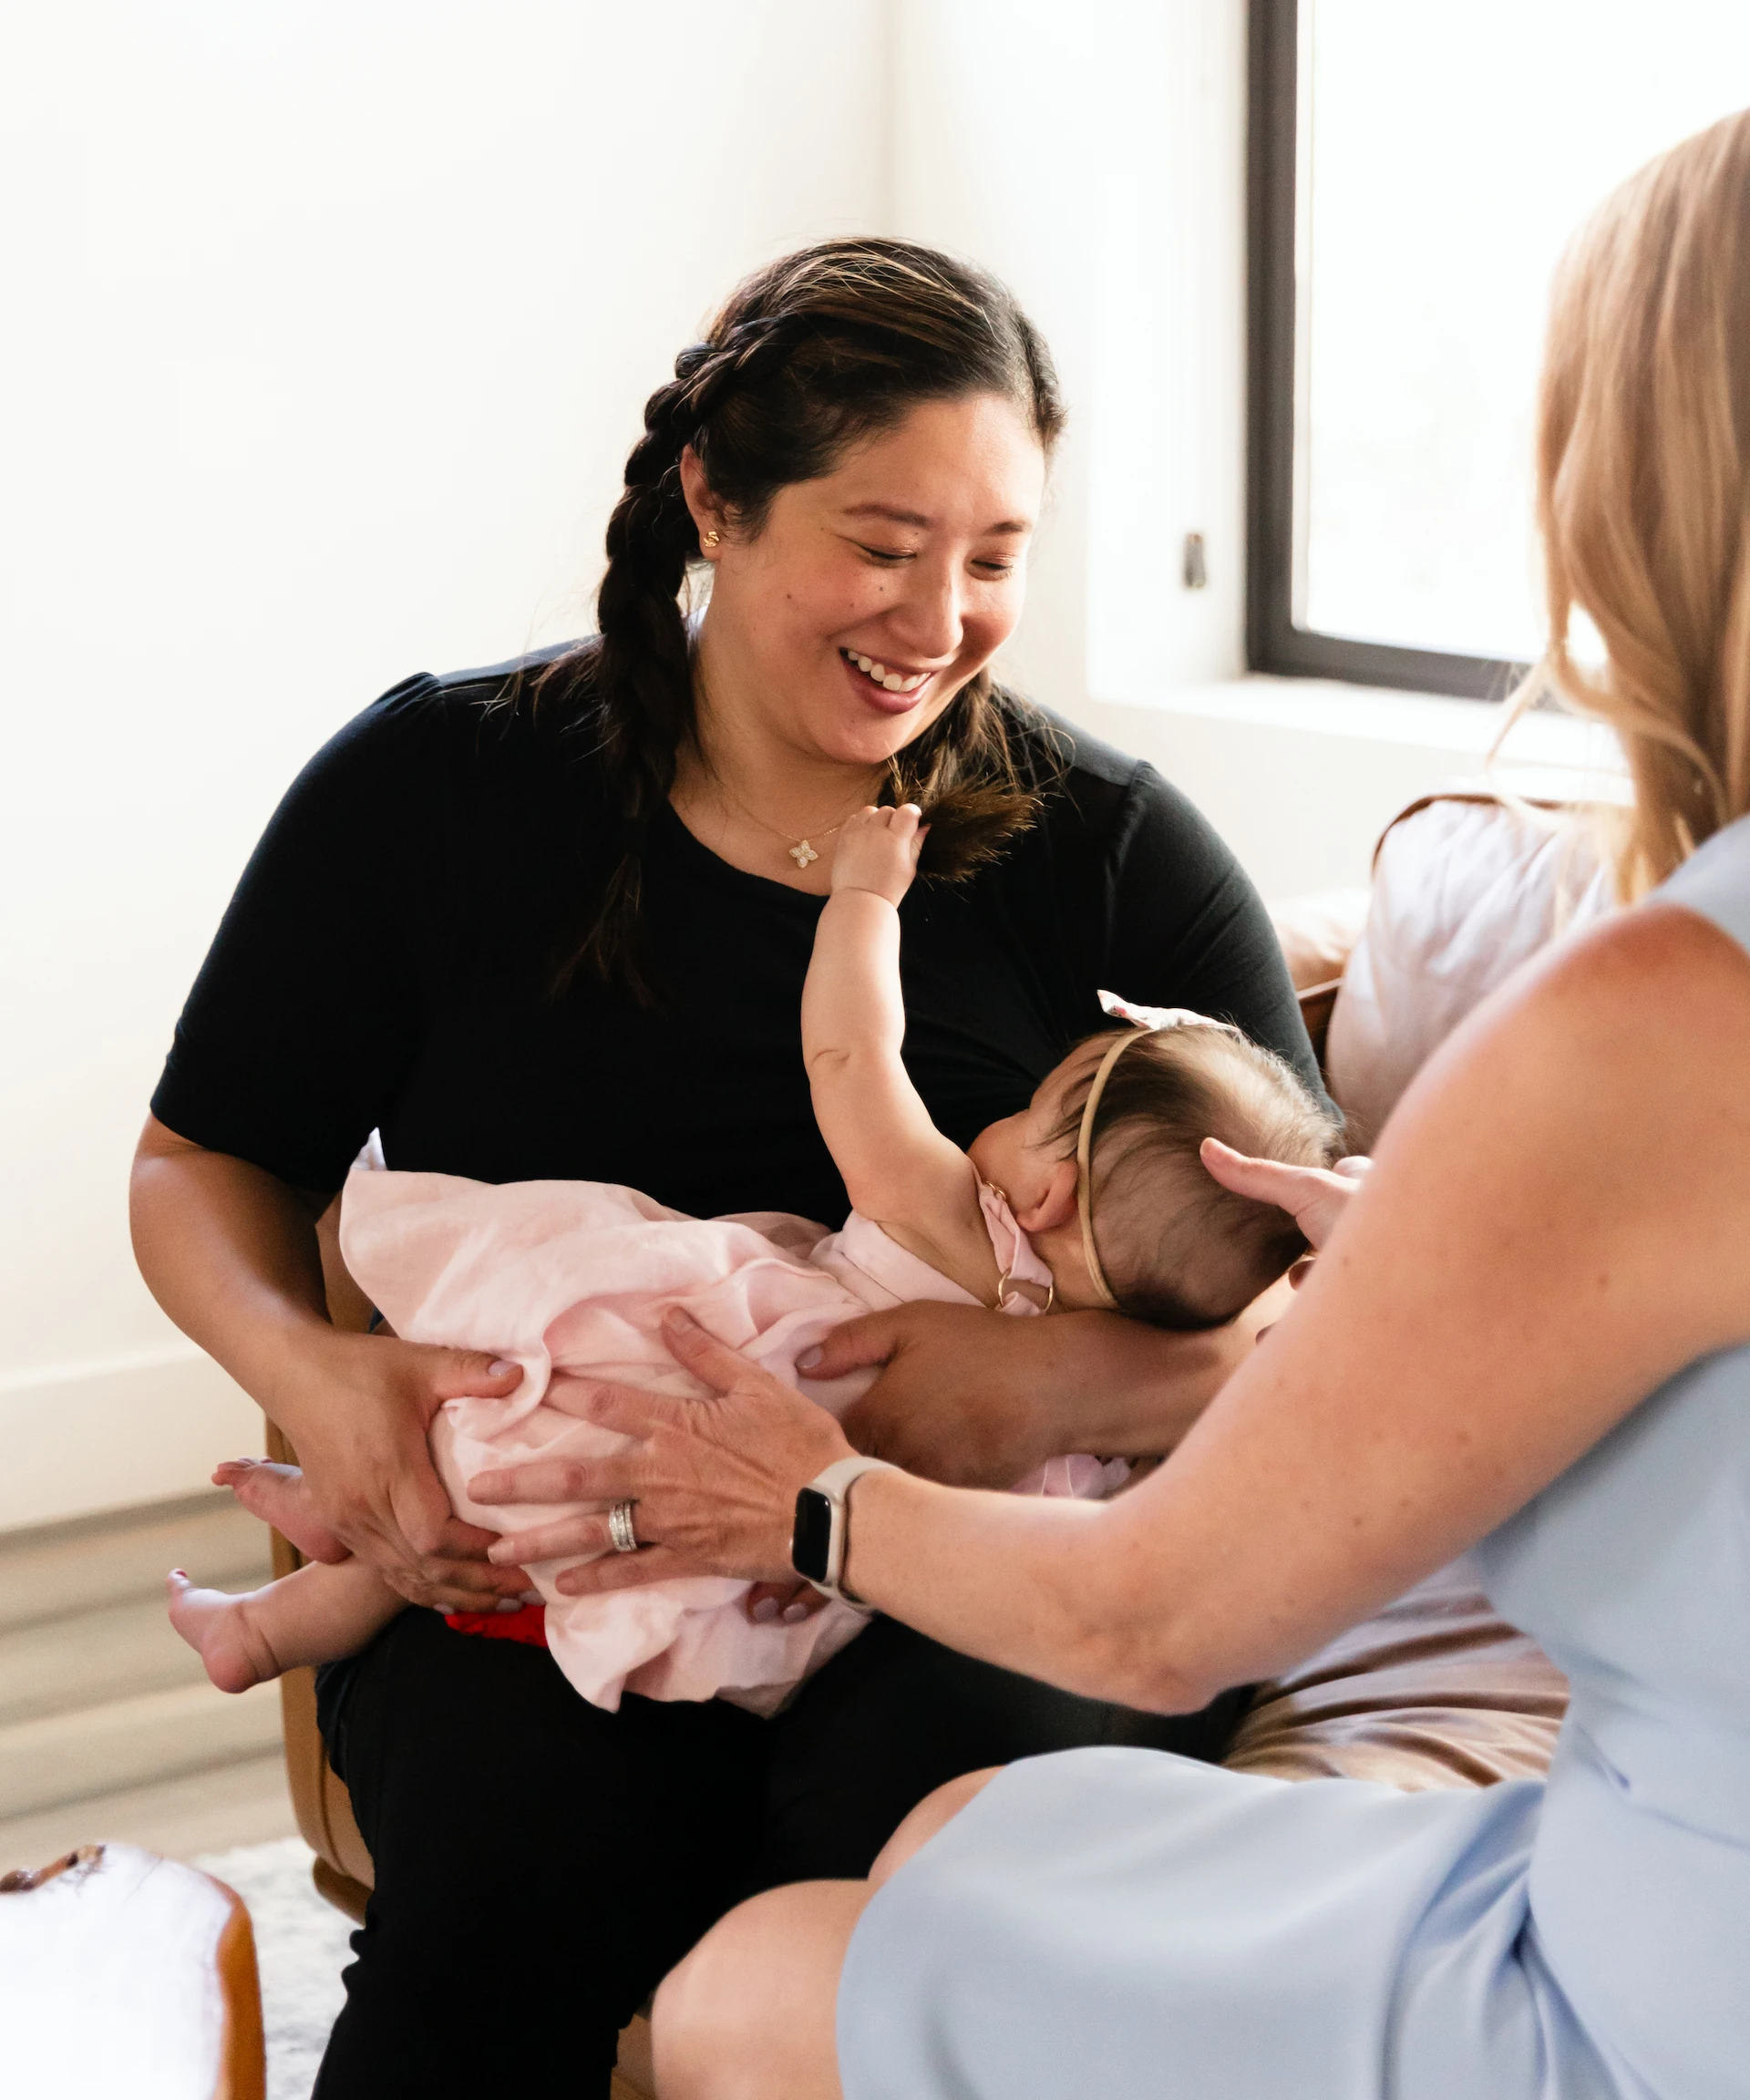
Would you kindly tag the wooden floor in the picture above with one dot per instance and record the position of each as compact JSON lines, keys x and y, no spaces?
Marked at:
{"x":109,"y":1728}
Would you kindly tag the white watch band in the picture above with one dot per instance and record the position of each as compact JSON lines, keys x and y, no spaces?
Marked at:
{"x":836,"y":1484}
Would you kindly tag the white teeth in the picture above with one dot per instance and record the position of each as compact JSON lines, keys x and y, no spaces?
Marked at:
{"x":893,"y":680}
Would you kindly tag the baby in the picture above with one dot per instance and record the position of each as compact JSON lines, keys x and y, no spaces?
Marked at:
{"x":1092,"y":1196}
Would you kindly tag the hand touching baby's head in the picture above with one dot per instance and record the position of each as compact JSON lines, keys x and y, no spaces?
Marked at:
{"x":1172,"y":1245}
{"x":1177,"y":1248}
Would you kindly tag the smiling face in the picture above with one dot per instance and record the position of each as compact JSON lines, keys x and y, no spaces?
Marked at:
{"x":867,"y":599}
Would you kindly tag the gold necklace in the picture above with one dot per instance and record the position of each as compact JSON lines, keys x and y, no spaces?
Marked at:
{"x":802,"y":850}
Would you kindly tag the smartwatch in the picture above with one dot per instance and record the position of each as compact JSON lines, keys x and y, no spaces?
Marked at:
{"x":821,"y":1538}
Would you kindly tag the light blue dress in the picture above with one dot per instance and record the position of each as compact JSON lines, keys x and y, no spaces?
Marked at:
{"x":1119,"y":1923}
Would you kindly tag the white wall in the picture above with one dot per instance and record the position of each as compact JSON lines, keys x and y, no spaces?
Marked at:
{"x":329,"y":327}
{"x":1302,"y":775}
{"x":1094,"y":155}
{"x":329,"y":324}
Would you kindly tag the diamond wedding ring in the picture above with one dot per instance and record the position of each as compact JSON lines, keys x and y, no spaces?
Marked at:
{"x":621,"y":1534}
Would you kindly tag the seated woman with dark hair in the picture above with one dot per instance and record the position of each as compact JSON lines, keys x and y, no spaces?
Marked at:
{"x":493,"y":919}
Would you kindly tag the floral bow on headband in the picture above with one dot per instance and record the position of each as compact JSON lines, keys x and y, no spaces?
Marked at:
{"x":1155,"y":1018}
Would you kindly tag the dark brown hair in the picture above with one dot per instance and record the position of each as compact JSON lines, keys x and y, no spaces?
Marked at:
{"x":1179,"y":1250}
{"x":808,"y":356}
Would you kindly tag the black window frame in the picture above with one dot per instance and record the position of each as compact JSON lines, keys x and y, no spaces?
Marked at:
{"x":1275,"y":361}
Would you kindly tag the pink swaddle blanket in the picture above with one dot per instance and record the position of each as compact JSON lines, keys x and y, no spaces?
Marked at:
{"x":571,"y":1279}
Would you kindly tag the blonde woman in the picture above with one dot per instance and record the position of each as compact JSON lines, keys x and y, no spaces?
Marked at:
{"x":1530,"y":1334}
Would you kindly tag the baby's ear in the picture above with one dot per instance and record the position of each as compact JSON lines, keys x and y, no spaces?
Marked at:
{"x":1056,"y":1205}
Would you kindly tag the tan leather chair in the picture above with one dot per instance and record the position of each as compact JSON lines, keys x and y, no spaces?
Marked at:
{"x":343,"y":1869}
{"x":1437,"y":1691}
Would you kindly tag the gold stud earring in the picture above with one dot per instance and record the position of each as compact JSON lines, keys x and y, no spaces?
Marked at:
{"x":711,"y":537}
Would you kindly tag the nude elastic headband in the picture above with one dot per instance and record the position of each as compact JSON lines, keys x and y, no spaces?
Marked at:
{"x":1085,"y":1168}
{"x":1145,"y":1021}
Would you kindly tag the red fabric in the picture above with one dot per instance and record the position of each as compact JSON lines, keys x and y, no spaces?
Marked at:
{"x":528,"y":1624}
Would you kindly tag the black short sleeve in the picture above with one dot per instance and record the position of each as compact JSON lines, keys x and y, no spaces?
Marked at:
{"x":308,"y":1008}
{"x":1187,"y":928}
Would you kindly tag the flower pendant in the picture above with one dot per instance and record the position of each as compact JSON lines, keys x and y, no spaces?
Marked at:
{"x":803,"y":854}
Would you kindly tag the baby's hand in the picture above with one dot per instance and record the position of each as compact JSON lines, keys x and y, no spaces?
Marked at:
{"x":878,"y":851}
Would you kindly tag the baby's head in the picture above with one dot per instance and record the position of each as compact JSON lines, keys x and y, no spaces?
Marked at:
{"x":1128,"y":1115}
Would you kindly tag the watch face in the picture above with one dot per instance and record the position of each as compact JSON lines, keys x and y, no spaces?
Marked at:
{"x":811,"y":1541}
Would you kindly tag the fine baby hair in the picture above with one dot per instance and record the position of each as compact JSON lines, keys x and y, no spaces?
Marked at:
{"x":1174,"y":1247}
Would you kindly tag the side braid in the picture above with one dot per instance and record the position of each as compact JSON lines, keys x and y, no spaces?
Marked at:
{"x":640,"y":673}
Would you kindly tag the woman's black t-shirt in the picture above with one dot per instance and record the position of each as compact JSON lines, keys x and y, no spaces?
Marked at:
{"x":386,"y":963}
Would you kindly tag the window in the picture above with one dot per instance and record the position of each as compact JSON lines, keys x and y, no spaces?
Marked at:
{"x":1416,"y":172}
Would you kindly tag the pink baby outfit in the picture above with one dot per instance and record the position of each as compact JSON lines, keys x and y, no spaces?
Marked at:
{"x":571,"y":1280}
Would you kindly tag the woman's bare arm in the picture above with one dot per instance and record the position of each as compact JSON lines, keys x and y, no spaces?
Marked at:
{"x":1559,"y":1218}
{"x":976,"y":1400}
{"x":230,"y":1251}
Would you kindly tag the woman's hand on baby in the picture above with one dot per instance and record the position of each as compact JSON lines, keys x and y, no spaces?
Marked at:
{"x":975,"y":1399}
{"x":367,"y":1466}
{"x":1314,"y":1197}
{"x":961,"y":1398}
{"x":714,"y":1481}
{"x":878,"y":850}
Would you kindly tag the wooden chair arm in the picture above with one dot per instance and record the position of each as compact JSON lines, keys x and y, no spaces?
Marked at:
{"x":86,"y":1942}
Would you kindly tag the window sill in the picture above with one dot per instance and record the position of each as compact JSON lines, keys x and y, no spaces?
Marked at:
{"x":1561,"y":756}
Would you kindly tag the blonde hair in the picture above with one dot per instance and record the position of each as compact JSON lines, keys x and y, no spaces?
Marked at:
{"x":1643,"y":490}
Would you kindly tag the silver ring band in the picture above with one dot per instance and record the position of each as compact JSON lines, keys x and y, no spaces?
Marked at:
{"x":622,"y":1536}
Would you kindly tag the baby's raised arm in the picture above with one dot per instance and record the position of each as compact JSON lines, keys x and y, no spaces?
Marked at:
{"x":898,"y":1169}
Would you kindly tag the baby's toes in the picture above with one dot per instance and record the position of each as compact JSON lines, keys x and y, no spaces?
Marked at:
{"x":262,"y":1486}
{"x":277,"y":1495}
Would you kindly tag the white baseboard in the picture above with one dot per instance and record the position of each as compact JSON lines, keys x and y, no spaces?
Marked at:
{"x":84,"y":1437}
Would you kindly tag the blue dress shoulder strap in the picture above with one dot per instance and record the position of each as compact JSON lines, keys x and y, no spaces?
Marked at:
{"x":1715,"y":881}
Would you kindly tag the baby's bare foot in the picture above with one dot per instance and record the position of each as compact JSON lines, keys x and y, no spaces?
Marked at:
{"x":221,"y":1628}
{"x":277,"y":1495}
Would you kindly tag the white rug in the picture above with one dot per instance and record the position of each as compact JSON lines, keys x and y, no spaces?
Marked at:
{"x":301,"y":1944}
